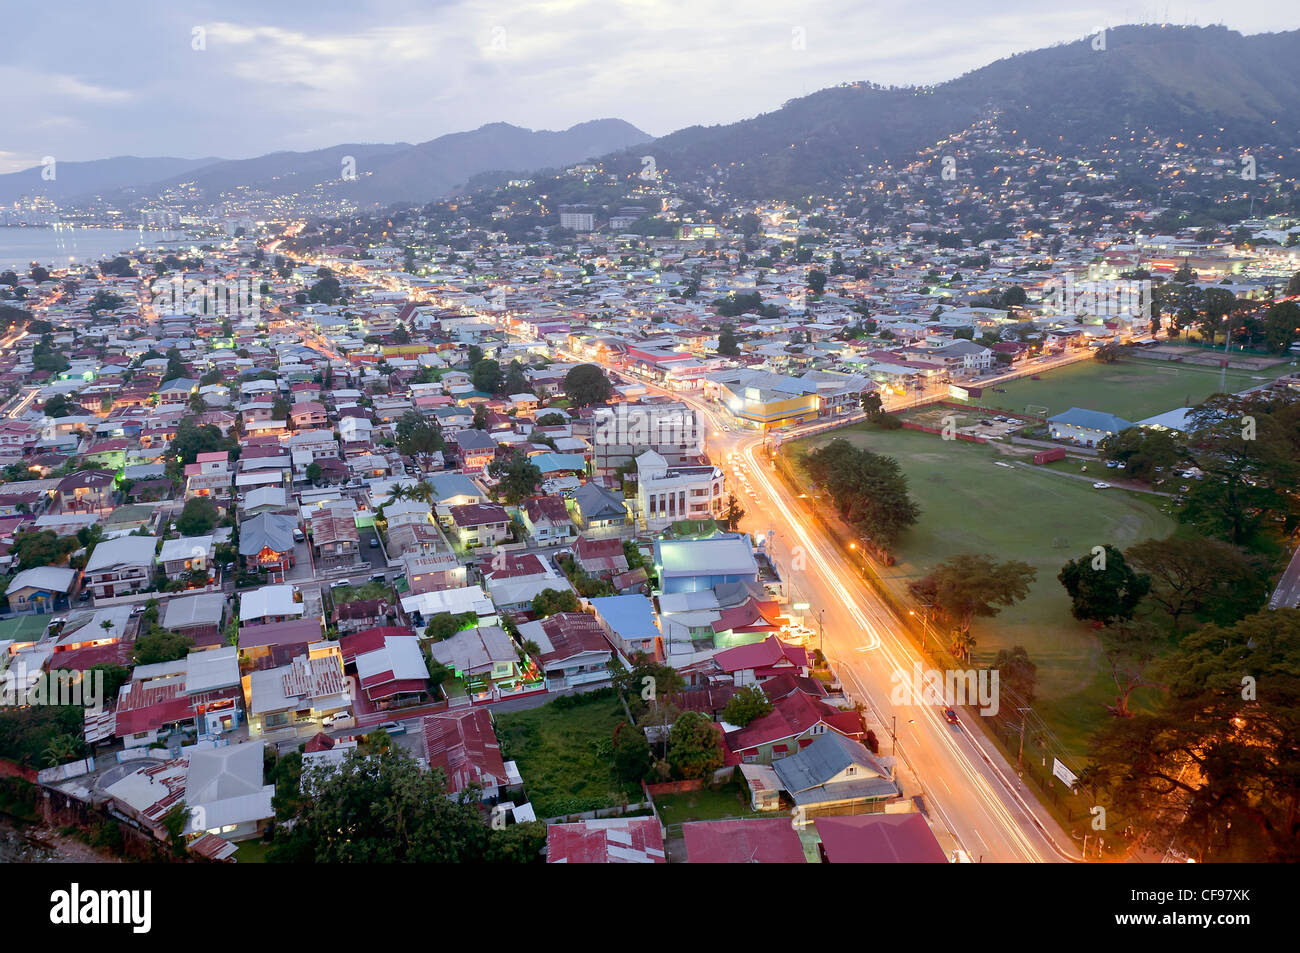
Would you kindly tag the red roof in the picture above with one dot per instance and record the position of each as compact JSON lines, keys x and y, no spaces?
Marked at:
{"x":765,"y":840}
{"x":464,"y":744}
{"x":792,"y":716}
{"x":368,"y":640}
{"x":761,"y":655}
{"x":879,"y":839}
{"x":618,"y":840}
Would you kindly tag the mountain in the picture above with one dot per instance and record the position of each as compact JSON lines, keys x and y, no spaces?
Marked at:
{"x":436,"y":168}
{"x":94,"y":177}
{"x":1208,"y":82}
{"x":384,"y":173}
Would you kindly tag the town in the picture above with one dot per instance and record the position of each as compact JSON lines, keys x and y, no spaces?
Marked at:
{"x":608,"y":515}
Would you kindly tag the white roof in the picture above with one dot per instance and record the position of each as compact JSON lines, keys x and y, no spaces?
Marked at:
{"x":123,"y":551}
{"x":210,"y":670}
{"x":400,"y":655}
{"x":455,"y":601}
{"x":269,"y":601}
{"x":49,"y":578}
{"x":187,"y":547}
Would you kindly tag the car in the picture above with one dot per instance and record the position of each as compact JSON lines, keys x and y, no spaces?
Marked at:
{"x":374,"y":542}
{"x":950,"y":716}
{"x":379,"y":577}
{"x":298,"y":536}
{"x":85,"y":595}
{"x":392,"y":727}
{"x":1101,"y":486}
{"x":340,"y":584}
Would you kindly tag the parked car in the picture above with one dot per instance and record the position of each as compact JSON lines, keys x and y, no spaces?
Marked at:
{"x":392,"y":727}
{"x":1101,"y":486}
{"x":374,"y":542}
{"x":298,"y":536}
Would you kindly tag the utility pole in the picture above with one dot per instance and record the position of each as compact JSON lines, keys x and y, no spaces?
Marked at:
{"x":1023,"y":718}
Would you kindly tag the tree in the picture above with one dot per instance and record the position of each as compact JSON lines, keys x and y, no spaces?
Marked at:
{"x":587,"y":384}
{"x":486,"y":376}
{"x":1216,"y":761}
{"x":1102,"y":586}
{"x":733,"y":513}
{"x":516,"y":380}
{"x":1249,"y":450}
{"x":728,"y":343}
{"x":1016,"y":672}
{"x":632,"y":758}
{"x":970,"y":586}
{"x":192,"y":439}
{"x":747,"y":704}
{"x":517,"y":477}
{"x":314,"y":473}
{"x":1109,"y":353}
{"x":382,"y":808}
{"x":41,"y":548}
{"x":115,"y":676}
{"x":417,"y":434}
{"x":198,"y":516}
{"x":871,"y":403}
{"x":550,"y":601}
{"x":1197,"y":575}
{"x":1142,"y":450}
{"x":694,"y":746}
{"x":1130,"y":646}
{"x":816,"y":281}
{"x":161,"y":645}
{"x":444,"y":625}
{"x":869,"y":490}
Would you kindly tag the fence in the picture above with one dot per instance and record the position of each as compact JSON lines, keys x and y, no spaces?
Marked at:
{"x":970,"y":438}
{"x":1000,"y":413}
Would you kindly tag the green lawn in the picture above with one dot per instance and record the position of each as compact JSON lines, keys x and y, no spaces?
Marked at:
{"x":566,"y":755}
{"x":728,"y":801}
{"x":1132,"y":389}
{"x":251,"y":852}
{"x":968,"y":504}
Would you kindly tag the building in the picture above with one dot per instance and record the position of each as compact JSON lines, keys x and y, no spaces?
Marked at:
{"x":463,"y":745}
{"x":266,"y":542}
{"x":572,"y":649}
{"x":121,"y":566}
{"x":1086,"y":427}
{"x":615,"y":840}
{"x":835,"y":775}
{"x":691,"y":565}
{"x":878,"y":839}
{"x":41,"y":589}
{"x":667,"y":494}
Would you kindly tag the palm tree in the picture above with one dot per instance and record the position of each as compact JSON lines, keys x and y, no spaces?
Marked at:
{"x":61,"y":749}
{"x":422,"y":492}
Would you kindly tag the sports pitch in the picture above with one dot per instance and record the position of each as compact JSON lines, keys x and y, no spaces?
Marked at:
{"x":970,"y":504}
{"x":1134,"y":390}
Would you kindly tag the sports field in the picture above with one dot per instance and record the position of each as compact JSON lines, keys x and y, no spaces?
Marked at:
{"x":970,"y":504}
{"x":1133,"y":389}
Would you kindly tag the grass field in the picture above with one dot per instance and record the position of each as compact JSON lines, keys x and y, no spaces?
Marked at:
{"x":1042,"y":517}
{"x":566,"y":755}
{"x":1133,"y":390}
{"x":706,"y":804}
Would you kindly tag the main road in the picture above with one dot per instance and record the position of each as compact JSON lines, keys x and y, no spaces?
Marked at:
{"x":975,"y":800}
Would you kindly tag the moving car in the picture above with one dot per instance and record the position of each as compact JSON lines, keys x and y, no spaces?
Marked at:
{"x":950,"y":716}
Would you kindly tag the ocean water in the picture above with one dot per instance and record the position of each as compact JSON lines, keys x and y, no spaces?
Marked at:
{"x":59,"y":247}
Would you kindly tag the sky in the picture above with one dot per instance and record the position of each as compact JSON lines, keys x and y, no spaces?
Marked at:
{"x":88,"y":79}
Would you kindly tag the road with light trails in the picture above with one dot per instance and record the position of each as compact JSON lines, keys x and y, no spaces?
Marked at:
{"x":975,"y":800}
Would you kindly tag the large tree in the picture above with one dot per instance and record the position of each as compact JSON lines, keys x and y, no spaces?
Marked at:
{"x":1194,"y":575}
{"x":1102,"y":586}
{"x":869,"y":490}
{"x":198,"y":516}
{"x":694,"y":746}
{"x":1141,"y":450}
{"x":1214,"y":766}
{"x":587,"y":384}
{"x":970,"y":586}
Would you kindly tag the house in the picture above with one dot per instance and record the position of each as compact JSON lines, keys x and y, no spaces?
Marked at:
{"x":599,"y":507}
{"x":361,"y":614}
{"x":615,"y":840}
{"x":186,"y":554}
{"x":269,"y":604}
{"x":41,"y":589}
{"x":120,"y":566}
{"x":295,"y":699}
{"x":629,"y":623}
{"x":794,"y":722}
{"x":1086,"y":427}
{"x":763,"y":840}
{"x":600,"y":557}
{"x":691,"y":565}
{"x":392,"y":670}
{"x":476,"y":449}
{"x":835,"y":774}
{"x":667,"y":494}
{"x":480,"y":524}
{"x":572,"y":649}
{"x":209,"y":475}
{"x":200,"y":617}
{"x":334,"y":537}
{"x":878,"y":839}
{"x":547,"y":520}
{"x":267,"y":541}
{"x":463,"y":745}
{"x":87,"y":491}
{"x":753,"y":663}
{"x":484,"y":658}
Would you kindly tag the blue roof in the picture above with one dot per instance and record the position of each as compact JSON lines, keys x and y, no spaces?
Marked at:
{"x":556,"y":462}
{"x":1091,"y":420}
{"x":631,"y":616}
